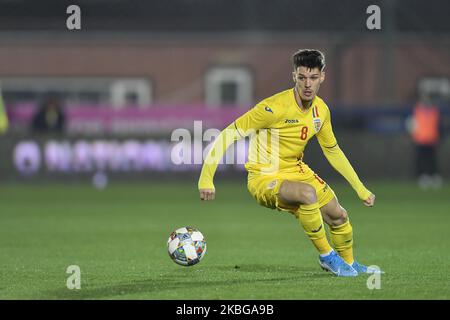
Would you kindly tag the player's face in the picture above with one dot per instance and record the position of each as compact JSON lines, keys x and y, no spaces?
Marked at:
{"x":307,"y":82}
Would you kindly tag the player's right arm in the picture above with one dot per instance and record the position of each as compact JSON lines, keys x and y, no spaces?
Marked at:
{"x":260,"y":116}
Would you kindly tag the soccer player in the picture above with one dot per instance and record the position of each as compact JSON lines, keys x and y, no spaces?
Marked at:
{"x":280,"y":128}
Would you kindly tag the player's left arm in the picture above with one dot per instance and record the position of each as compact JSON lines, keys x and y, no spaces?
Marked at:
{"x":339,"y":161}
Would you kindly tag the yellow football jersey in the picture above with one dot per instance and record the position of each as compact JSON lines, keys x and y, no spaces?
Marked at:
{"x":279,"y":131}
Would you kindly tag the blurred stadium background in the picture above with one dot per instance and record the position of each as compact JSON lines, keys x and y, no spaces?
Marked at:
{"x":138,"y":70}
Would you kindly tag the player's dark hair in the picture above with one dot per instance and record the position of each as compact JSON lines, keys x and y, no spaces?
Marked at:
{"x":309,"y":58}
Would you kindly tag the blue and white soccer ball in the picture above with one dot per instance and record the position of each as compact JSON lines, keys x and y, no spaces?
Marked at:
{"x":186,"y":246}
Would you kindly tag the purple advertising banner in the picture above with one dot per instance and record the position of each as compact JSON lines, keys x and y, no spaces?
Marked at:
{"x":157,"y":119}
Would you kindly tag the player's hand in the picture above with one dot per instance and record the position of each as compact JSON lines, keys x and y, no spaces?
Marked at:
{"x":207,"y":194}
{"x":370,"y":201}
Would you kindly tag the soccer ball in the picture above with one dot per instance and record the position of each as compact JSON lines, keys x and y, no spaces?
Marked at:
{"x":186,"y":246}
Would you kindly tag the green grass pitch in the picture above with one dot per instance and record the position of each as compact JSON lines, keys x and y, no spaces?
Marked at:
{"x":118,"y":239}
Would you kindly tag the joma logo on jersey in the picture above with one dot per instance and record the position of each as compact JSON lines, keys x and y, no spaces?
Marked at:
{"x":291,"y":121}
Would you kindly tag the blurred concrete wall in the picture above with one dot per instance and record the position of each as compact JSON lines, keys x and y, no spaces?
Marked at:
{"x":356,"y":73}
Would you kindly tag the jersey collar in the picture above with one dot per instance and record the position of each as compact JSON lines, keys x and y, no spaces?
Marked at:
{"x":300,"y":108}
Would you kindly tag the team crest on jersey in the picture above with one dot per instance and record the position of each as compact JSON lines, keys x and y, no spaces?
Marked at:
{"x":317,"y":124}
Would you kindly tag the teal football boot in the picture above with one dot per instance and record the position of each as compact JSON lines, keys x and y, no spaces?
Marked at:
{"x":336,"y":265}
{"x":360,"y":268}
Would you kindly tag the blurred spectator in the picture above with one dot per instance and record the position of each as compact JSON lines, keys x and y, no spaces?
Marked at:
{"x":50,"y":118}
{"x":3,"y":117}
{"x":425,"y":132}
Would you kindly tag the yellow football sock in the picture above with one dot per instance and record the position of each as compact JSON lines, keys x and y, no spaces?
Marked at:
{"x":342,"y":240}
{"x":310,"y":218}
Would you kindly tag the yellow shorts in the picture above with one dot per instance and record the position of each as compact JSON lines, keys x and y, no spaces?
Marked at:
{"x":265,"y":188}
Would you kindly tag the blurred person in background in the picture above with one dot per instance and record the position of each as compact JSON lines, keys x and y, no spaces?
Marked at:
{"x":49,"y":118}
{"x":3,"y":117}
{"x":424,"y":127}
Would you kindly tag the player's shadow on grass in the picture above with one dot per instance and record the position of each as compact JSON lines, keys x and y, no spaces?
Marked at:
{"x":234,"y":275}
